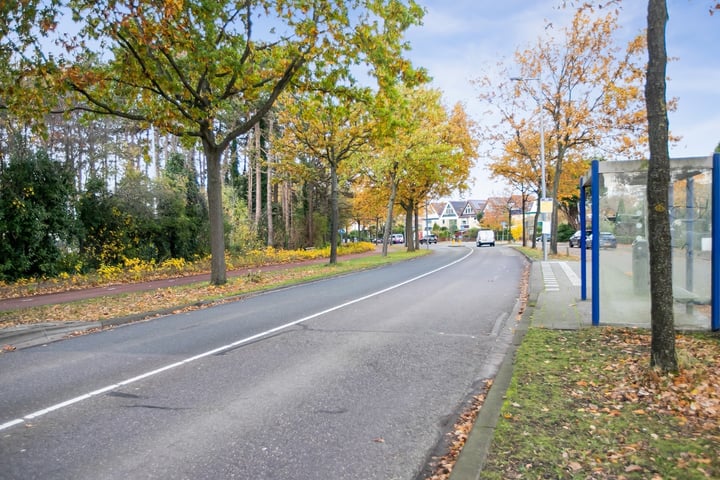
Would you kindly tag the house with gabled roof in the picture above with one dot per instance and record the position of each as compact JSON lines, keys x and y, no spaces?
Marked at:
{"x":455,"y":215}
{"x":470,"y":211}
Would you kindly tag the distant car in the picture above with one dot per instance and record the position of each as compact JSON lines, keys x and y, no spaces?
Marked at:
{"x":432,"y":238}
{"x":397,"y":238}
{"x":539,"y":238}
{"x":485,"y":237}
{"x":607,"y":240}
{"x":575,"y":239}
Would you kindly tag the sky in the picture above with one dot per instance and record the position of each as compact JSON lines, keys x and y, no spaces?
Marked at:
{"x":463,"y":40}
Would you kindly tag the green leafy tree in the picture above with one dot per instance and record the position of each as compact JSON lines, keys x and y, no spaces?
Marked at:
{"x":421,"y":151}
{"x":181,"y":211}
{"x":35,"y":215}
{"x":208,"y":71}
{"x":333,"y":129}
{"x":135,"y":198}
{"x":101,"y":226}
{"x":438,"y":158}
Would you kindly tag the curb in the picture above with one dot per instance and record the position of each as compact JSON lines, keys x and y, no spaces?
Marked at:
{"x":25,"y":336}
{"x":472,"y":457}
{"x":38,"y":334}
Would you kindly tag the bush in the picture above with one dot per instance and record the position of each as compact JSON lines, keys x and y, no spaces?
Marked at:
{"x":564,"y":232}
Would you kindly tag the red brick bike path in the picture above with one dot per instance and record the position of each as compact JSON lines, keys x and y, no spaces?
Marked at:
{"x":105,"y":290}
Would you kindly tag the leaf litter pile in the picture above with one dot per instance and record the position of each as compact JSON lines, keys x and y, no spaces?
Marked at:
{"x":586,"y":404}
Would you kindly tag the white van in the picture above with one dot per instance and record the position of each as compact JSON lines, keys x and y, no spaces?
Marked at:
{"x":485,"y":237}
{"x":397,"y":238}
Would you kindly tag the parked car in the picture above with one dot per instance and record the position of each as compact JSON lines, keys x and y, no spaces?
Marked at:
{"x":432,"y":238}
{"x":538,"y":239}
{"x":575,"y":239}
{"x":607,"y":240}
{"x":485,"y":237}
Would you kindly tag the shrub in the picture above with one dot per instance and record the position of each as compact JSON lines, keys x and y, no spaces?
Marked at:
{"x":564,"y":232}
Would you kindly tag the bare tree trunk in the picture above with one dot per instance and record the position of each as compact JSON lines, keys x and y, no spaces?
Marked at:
{"x":201,"y":166}
{"x":335,"y":213}
{"x":663,"y":353}
{"x":250,"y":156}
{"x":554,"y":215}
{"x":218,"y":274}
{"x":270,"y":232}
{"x":410,"y":239}
{"x":269,"y":196}
{"x":286,"y":210}
{"x":389,"y":220}
{"x":258,"y":175}
{"x":524,"y":203}
{"x":310,"y":220}
{"x":535,"y":225}
{"x":416,"y":220}
{"x":155,"y":146}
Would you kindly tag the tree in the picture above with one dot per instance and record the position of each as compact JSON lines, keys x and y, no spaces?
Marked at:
{"x":181,"y":211}
{"x":200,"y":71}
{"x":136,"y":198}
{"x":439,"y":156}
{"x":102,"y":225}
{"x":588,"y":92}
{"x":421,"y":151}
{"x":35,"y":214}
{"x":368,"y":204}
{"x":333,"y":129}
{"x":663,"y":353}
{"x":523,"y":174}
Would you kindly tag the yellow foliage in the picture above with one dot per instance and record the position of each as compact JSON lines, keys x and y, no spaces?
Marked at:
{"x":586,"y":91}
{"x":134,"y":269}
{"x":109,"y":272}
{"x":173,"y":264}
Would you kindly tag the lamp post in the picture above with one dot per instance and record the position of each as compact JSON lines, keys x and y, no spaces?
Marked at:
{"x":542,"y":157}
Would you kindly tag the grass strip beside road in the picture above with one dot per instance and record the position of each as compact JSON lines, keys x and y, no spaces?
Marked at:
{"x":192,"y":296}
{"x":536,"y":254}
{"x":585,"y":404}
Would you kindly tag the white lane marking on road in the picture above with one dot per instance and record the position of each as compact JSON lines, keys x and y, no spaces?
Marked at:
{"x":214,"y":351}
{"x":551,"y":283}
{"x":572,"y":276}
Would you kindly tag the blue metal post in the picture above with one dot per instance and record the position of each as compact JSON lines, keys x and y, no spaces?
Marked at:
{"x":583,"y":253}
{"x":595,"y":182}
{"x":690,"y":240}
{"x":715,"y":255}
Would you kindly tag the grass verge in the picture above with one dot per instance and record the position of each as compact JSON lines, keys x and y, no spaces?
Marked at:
{"x":537,"y":254}
{"x":192,"y":296}
{"x":585,"y":404}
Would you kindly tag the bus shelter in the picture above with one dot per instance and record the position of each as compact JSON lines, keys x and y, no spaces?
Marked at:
{"x":613,"y":205}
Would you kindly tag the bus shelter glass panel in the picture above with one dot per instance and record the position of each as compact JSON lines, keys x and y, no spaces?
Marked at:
{"x":624,"y":256}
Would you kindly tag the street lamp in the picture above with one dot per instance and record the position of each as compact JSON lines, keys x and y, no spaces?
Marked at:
{"x":542,"y":157}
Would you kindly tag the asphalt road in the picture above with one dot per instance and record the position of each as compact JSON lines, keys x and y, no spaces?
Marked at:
{"x":354,"y":377}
